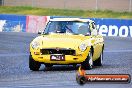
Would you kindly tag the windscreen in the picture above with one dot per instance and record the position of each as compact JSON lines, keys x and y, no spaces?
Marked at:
{"x":68,"y":27}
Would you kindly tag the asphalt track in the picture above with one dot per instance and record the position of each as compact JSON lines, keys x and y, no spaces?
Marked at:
{"x":14,"y":71}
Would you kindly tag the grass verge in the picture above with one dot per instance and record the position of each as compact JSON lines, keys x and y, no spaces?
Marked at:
{"x":21,"y":10}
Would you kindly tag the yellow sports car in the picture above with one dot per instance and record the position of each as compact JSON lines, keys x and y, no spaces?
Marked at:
{"x":67,"y":41}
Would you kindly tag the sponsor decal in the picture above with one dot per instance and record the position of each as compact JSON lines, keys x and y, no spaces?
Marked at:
{"x":12,"y":23}
{"x":113,"y":30}
{"x":114,"y":27}
{"x":11,"y":26}
{"x":36,"y":23}
{"x":82,"y":77}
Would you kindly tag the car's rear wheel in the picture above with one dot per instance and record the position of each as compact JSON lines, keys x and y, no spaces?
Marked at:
{"x":88,"y":63}
{"x":99,"y":61}
{"x":33,"y":65}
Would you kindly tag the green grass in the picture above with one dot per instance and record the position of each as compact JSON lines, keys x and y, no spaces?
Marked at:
{"x":63,"y":12}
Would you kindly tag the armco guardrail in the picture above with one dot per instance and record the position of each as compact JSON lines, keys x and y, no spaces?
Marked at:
{"x":32,"y":24}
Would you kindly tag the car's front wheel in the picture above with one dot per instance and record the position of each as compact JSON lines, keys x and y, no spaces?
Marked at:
{"x":33,"y":65}
{"x":88,"y":63}
{"x":99,"y":61}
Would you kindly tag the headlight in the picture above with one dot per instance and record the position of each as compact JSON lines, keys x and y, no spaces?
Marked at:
{"x":82,"y":47}
{"x":35,"y":45}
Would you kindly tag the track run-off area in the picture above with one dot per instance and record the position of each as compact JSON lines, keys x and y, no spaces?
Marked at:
{"x":15,"y":72}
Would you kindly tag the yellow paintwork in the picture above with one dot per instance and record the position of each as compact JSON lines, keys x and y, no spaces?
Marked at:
{"x":67,"y":41}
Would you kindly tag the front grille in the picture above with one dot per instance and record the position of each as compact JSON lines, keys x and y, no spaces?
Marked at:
{"x":57,"y":51}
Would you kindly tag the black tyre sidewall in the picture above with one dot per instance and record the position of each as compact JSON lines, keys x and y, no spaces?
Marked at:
{"x":98,"y":62}
{"x":85,"y":65}
{"x":33,"y":65}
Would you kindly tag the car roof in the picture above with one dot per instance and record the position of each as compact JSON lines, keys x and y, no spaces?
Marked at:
{"x":71,"y":19}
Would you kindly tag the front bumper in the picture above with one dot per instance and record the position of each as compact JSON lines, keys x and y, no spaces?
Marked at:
{"x":69,"y":59}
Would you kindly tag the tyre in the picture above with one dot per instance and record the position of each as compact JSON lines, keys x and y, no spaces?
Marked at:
{"x":88,"y":63}
{"x":99,"y":61}
{"x":33,"y":65}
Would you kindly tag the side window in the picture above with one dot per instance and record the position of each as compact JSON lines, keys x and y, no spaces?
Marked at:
{"x":82,"y":28}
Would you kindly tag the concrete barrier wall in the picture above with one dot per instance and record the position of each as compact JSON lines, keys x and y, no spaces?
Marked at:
{"x":114,"y":27}
{"x":17,"y":23}
{"x":11,"y":23}
{"x":32,"y":24}
{"x":114,"y":5}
